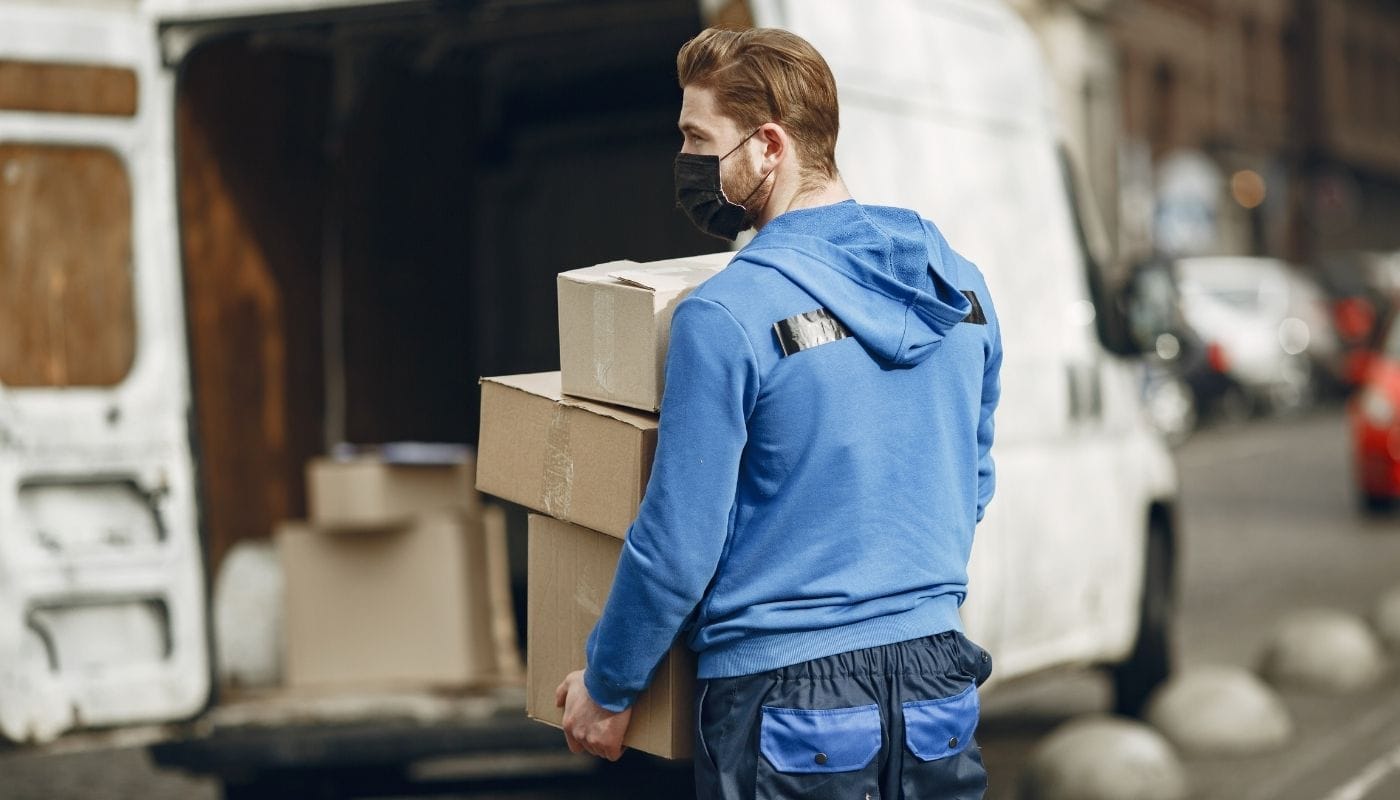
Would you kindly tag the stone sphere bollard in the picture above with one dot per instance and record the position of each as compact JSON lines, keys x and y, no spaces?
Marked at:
{"x":1103,"y":758}
{"x":1322,"y":650}
{"x":1386,"y":618}
{"x":1219,"y":711}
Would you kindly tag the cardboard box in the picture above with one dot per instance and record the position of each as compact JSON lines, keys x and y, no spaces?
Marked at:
{"x":614,"y":324}
{"x":405,"y":606}
{"x":388,"y":488}
{"x":570,"y":574}
{"x":575,"y":460}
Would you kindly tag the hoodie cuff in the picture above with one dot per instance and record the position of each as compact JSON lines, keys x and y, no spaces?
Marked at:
{"x":609,"y":697}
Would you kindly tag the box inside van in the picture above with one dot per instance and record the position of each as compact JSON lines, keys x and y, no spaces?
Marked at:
{"x":373,"y":214}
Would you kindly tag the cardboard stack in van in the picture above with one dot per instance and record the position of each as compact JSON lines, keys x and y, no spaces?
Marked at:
{"x":399,"y":578}
{"x":576,"y":447}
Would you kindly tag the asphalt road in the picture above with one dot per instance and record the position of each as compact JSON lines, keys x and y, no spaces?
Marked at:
{"x":1269,"y":525}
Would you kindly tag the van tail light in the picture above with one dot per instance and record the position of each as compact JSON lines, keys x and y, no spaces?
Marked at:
{"x":1216,"y":358}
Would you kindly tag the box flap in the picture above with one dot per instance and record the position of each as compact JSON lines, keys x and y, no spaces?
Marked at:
{"x":668,"y":276}
{"x":548,"y":385}
{"x":599,"y":273}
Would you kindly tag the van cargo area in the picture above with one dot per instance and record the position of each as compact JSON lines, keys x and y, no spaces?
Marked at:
{"x":373,"y":211}
{"x":374,"y":206}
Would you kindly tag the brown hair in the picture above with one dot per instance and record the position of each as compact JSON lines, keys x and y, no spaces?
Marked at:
{"x":769,"y":75}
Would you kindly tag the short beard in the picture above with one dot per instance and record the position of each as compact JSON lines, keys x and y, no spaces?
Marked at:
{"x":755,"y":194}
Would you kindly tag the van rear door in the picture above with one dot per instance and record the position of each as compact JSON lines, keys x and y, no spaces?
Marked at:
{"x":102,"y":591}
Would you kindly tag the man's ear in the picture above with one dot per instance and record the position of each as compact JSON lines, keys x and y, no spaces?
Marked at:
{"x":775,"y":141}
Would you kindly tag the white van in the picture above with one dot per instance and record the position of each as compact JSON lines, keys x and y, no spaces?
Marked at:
{"x":236,"y":232}
{"x":945,"y":108}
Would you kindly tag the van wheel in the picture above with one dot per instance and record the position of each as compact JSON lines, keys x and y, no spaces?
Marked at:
{"x":1150,"y":661}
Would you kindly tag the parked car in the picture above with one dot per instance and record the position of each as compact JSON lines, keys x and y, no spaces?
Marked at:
{"x":1374,"y":413}
{"x":1186,"y":380}
{"x":1271,"y":323}
{"x":1364,"y":287}
{"x":1361,"y":287}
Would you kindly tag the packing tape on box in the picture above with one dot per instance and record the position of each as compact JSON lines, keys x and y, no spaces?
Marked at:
{"x":557,"y":488}
{"x":604,"y":324}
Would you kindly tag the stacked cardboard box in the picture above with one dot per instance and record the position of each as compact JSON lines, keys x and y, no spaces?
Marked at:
{"x":577,"y":446}
{"x":398,"y":579}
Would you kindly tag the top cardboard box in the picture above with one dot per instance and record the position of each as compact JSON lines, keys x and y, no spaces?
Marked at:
{"x":615,"y":322}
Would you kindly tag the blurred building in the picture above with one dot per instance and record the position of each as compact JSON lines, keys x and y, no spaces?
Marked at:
{"x":1294,"y":103}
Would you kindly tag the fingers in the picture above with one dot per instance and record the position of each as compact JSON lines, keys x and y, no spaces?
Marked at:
{"x":587,"y":726}
{"x":574,"y":745}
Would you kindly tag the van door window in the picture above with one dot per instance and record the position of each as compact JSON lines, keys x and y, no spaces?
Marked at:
{"x":66,"y":305}
{"x":67,"y":88}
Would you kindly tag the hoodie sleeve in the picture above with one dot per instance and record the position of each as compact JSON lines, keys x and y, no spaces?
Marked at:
{"x":986,"y":426}
{"x":673,"y":547}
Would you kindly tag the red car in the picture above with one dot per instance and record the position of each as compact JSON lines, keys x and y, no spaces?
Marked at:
{"x":1375,"y":424}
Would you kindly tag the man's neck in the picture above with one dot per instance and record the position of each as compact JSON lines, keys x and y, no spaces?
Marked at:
{"x":787,"y":198}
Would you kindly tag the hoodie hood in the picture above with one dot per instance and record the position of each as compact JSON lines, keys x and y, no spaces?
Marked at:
{"x":885,"y":273}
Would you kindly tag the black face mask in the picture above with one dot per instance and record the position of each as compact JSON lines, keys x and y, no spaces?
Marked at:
{"x":700,"y":195}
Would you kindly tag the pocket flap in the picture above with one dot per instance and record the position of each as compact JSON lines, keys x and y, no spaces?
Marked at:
{"x":820,"y":740}
{"x":935,"y":729}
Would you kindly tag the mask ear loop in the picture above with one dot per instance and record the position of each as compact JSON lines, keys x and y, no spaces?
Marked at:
{"x":740,"y":144}
{"x":744,"y":204}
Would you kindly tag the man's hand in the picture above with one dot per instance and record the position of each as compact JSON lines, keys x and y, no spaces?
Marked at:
{"x":589,"y":727}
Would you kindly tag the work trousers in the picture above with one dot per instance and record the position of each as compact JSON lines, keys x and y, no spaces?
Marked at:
{"x":895,"y":721}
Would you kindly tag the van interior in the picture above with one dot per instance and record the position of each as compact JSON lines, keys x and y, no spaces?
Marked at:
{"x":373,"y":210}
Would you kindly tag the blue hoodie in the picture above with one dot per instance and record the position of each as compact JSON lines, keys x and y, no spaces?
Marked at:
{"x":822,"y":501}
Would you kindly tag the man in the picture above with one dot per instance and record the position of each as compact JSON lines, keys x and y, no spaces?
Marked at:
{"x":824,"y":457}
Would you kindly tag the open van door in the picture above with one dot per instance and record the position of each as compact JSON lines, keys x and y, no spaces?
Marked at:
{"x":102,"y":590}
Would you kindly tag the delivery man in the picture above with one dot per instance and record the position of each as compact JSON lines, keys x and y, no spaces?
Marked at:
{"x":823,"y":458}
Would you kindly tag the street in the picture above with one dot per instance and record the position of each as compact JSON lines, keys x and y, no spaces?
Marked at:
{"x":1268,"y":525}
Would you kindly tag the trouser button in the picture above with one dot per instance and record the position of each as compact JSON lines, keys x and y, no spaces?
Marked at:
{"x":820,"y":758}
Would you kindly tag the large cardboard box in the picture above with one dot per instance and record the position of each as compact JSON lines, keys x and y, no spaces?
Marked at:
{"x":403,"y":606}
{"x":386,"y":487}
{"x":614,"y":324}
{"x":570,"y":574}
{"x":575,"y":460}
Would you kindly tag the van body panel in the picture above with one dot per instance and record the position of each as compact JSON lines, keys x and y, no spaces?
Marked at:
{"x":949,"y":116}
{"x":102,"y":612}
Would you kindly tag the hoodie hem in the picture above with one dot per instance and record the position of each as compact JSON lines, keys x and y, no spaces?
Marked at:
{"x":756,"y":654}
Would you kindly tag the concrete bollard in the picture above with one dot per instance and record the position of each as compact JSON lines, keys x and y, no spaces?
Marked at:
{"x":1219,"y":711}
{"x":1103,"y":758}
{"x":1386,"y":619}
{"x":1322,"y":650}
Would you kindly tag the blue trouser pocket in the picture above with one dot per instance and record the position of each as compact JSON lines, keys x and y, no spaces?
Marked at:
{"x":939,"y":735}
{"x":819,"y":753}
